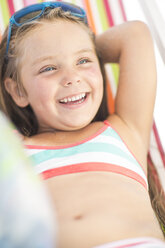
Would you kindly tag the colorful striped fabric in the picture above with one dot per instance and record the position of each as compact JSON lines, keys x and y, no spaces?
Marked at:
{"x":104,"y":151}
{"x":102,"y":14}
{"x":135,"y":243}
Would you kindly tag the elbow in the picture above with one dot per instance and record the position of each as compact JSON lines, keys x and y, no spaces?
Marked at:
{"x":140,"y":28}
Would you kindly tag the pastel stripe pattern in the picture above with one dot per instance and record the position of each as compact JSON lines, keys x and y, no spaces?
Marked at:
{"x":102,"y":14}
{"x":104,"y":152}
{"x":145,"y":242}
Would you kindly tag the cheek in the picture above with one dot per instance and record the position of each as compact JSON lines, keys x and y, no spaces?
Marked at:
{"x":37,"y":93}
{"x":97,"y":79}
{"x":94,"y":72}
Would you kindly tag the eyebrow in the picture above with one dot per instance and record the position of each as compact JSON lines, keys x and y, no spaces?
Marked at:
{"x":41,"y":59}
{"x":85,"y":50}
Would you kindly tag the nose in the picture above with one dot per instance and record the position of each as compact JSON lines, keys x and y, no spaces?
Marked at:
{"x":70,"y":82}
{"x":70,"y":78}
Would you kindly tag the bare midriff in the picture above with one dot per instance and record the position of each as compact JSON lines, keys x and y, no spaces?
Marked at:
{"x":95,"y":208}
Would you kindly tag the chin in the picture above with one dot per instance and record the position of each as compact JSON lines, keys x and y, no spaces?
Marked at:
{"x":76,"y":125}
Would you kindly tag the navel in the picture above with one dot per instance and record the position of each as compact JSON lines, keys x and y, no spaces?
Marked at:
{"x":78,"y":217}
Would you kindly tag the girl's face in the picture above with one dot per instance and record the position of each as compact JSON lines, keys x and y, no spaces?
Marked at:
{"x":61,"y":76}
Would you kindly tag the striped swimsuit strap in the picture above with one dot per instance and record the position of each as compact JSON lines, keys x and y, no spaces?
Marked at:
{"x":103,"y":151}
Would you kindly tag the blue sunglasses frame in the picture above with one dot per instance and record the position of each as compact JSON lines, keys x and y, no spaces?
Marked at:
{"x":14,"y":20}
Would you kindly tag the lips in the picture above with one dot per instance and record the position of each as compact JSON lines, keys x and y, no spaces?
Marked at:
{"x":76,"y":99}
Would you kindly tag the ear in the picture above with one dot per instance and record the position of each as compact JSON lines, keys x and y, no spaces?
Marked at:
{"x":20,"y":98}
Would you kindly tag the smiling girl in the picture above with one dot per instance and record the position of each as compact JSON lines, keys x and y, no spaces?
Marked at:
{"x":94,"y":164}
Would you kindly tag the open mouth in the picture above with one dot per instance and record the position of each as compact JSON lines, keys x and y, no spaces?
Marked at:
{"x":77,"y":99}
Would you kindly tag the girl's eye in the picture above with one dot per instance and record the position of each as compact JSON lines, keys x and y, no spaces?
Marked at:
{"x":47,"y":69}
{"x":83,"y":61}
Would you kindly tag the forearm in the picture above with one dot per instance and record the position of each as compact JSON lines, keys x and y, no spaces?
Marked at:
{"x":114,"y":42}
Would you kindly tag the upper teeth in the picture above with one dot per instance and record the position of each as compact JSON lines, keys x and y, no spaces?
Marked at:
{"x":73,"y":98}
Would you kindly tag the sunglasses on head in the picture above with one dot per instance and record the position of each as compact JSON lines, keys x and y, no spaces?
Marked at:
{"x":38,"y":9}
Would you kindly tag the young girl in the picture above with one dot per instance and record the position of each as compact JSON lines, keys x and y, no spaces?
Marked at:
{"x":53,"y":89}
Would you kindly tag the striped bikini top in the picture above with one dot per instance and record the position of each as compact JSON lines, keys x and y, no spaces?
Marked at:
{"x":103,"y":151}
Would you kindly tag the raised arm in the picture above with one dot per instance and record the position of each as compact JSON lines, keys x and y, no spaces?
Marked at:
{"x":130,"y":44}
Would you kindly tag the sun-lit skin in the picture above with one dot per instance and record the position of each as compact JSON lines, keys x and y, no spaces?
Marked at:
{"x":61,"y":76}
{"x":67,"y":70}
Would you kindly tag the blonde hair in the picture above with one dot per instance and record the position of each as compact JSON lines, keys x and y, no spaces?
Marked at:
{"x":24,"y":118}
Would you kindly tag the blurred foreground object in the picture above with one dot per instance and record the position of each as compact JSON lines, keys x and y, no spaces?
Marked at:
{"x":26,"y":218}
